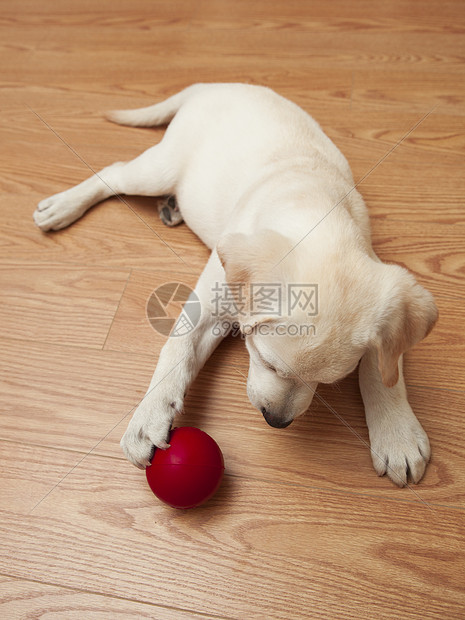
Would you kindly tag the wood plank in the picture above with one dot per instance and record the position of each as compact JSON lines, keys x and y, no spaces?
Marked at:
{"x":346,"y":38}
{"x":146,"y":550}
{"x":433,"y":252}
{"x":415,"y":193}
{"x":235,"y":48}
{"x":66,"y":305}
{"x":369,"y":133}
{"x":131,"y":330}
{"x":399,"y":13}
{"x":65,"y":396}
{"x":420,"y":91}
{"x":28,"y":599}
{"x":28,"y":474}
{"x":437,"y":361}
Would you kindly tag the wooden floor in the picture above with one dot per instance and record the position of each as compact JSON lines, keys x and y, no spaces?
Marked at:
{"x":302,"y":527}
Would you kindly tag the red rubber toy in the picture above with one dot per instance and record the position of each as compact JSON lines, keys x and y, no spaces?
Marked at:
{"x":188,"y":473}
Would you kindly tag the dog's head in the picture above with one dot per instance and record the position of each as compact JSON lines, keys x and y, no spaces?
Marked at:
{"x":360,"y":304}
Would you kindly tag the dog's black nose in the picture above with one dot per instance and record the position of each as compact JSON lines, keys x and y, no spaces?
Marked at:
{"x":273,"y":420}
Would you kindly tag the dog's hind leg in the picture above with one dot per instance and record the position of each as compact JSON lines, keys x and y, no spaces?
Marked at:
{"x":153,"y":173}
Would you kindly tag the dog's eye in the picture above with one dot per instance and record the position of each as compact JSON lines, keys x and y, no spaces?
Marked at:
{"x":270,"y":367}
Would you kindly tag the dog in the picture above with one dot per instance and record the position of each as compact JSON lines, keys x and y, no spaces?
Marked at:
{"x":259,"y":182}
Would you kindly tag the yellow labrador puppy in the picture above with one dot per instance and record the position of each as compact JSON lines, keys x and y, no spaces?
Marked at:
{"x":258,"y":181}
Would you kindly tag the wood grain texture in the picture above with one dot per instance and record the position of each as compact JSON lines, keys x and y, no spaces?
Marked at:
{"x":22,"y":599}
{"x":112,"y":235}
{"x":423,"y":92}
{"x":302,"y":527}
{"x":305,"y":540}
{"x":63,"y":305}
{"x":67,"y":396}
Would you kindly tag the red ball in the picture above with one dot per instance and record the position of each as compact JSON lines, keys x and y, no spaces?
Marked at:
{"x":188,"y":473}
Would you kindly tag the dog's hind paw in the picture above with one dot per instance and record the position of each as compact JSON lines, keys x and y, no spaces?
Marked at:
{"x":169,"y":212}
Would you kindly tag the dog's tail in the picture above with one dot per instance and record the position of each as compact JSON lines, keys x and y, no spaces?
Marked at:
{"x":158,"y":114}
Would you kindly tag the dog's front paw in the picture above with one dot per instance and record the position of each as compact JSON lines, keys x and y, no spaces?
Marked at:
{"x":148,"y":429}
{"x":400,"y":450}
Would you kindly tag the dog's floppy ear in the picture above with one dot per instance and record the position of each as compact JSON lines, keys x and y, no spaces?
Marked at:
{"x":252,"y":259}
{"x":235,"y":254}
{"x":407,"y":315}
{"x":245,"y":257}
